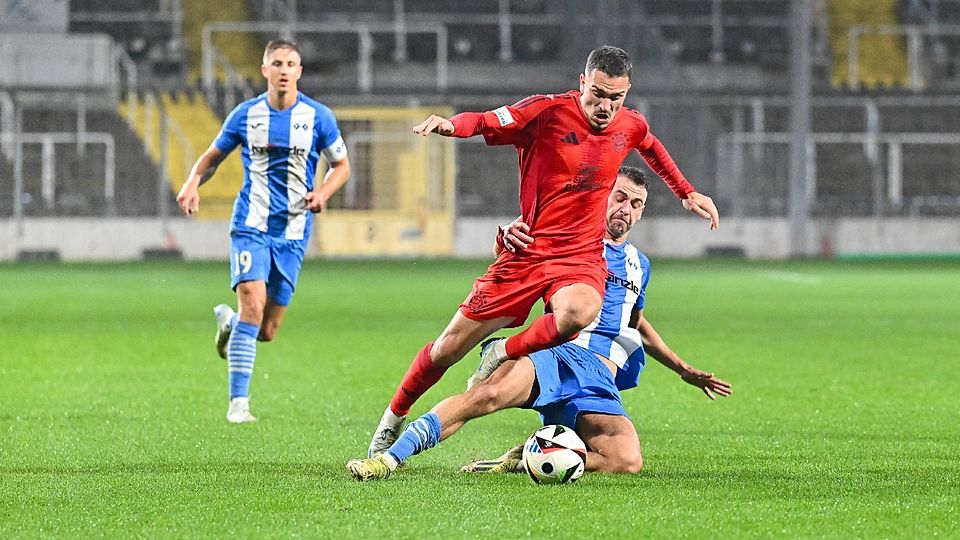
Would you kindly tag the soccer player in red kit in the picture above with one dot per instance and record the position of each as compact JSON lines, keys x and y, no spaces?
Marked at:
{"x":570,"y":147}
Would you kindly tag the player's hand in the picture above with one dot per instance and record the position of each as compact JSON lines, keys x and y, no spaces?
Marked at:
{"x":434,"y":124}
{"x":703,"y":206}
{"x":314,"y":202}
{"x":189,"y":200}
{"x":516,"y":236}
{"x":708,"y":382}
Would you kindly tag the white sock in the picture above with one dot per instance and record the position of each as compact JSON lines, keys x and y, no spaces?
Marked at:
{"x":391,"y":461}
{"x":500,"y":350}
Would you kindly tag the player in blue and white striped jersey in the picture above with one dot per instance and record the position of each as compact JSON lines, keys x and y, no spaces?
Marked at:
{"x":576,"y":384}
{"x":282,"y":134}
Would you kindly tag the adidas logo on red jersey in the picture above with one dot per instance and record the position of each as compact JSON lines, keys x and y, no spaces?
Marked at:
{"x":570,"y":138}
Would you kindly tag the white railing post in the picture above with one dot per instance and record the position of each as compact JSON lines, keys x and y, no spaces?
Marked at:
{"x":914,"y":45}
{"x":895,"y":174}
{"x":399,"y":31}
{"x":208,"y":69}
{"x":872,"y":122}
{"x":736,"y":165}
{"x":506,"y":38}
{"x":442,"y":63}
{"x":110,"y":175}
{"x":48,"y":189}
{"x":716,"y":32}
{"x":365,"y":61}
{"x":7,"y":114}
{"x":131,"y":76}
{"x":759,"y":124}
{"x":81,"y":124}
{"x":853,"y":60}
{"x":149,"y":129}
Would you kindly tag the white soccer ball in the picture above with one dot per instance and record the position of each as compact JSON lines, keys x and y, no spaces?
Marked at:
{"x":554,"y":455}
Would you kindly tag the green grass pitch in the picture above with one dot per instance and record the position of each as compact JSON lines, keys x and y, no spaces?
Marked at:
{"x":845,"y":418}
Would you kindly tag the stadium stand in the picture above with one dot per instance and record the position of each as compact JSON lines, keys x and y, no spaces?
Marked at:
{"x":696,"y":90}
{"x":883,"y":59}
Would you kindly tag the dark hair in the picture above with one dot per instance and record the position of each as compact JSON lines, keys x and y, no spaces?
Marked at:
{"x":611,"y":60}
{"x":636,"y":175}
{"x":280,"y":44}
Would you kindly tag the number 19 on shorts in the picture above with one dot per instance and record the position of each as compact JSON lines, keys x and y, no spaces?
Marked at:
{"x":242,"y":261}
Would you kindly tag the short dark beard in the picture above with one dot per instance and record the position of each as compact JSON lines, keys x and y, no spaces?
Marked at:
{"x":613,"y":234}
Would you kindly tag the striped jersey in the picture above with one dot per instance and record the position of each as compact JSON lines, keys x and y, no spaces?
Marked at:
{"x":280,"y":152}
{"x":610,"y":334}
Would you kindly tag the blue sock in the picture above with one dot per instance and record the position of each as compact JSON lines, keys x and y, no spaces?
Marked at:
{"x":241,"y":351}
{"x":234,"y":320}
{"x":422,"y":434}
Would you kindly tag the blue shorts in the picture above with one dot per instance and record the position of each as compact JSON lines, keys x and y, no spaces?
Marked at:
{"x":573,"y":380}
{"x":255,"y":256}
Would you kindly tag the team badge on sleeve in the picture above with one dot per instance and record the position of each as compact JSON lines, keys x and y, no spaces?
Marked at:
{"x":504,"y":116}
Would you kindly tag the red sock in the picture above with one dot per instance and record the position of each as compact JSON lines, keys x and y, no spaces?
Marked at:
{"x":542,"y":334}
{"x":423,"y":374}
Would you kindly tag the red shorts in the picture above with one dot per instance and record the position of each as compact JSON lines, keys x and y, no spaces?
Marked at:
{"x":512,"y":285}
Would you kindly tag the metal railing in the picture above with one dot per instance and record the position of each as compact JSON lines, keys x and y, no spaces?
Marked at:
{"x":47,"y":142}
{"x":729,"y":150}
{"x":170,"y":12}
{"x":503,"y":22}
{"x":364,"y":33}
{"x":914,"y":34}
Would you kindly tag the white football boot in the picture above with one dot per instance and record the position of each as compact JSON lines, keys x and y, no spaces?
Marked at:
{"x":386,"y":434}
{"x":239,"y":411}
{"x":493,"y":352}
{"x":224,"y":315}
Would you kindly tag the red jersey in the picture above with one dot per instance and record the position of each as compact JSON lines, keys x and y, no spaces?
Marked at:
{"x":568,"y":168}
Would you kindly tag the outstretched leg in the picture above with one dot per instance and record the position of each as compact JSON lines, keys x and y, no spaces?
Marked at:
{"x":429,"y":365}
{"x":512,"y":385}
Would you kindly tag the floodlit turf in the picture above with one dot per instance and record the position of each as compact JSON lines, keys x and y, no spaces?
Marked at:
{"x":845,"y":418}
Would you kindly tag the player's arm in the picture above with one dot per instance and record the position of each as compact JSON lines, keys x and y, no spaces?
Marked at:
{"x":498,"y":122}
{"x":330,"y":143}
{"x":654,"y":345}
{"x":202,"y":171}
{"x":337,"y":175}
{"x":513,"y":237}
{"x":657,"y":157}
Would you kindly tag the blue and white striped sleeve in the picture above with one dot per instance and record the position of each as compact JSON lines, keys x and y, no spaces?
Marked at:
{"x":230,"y":135}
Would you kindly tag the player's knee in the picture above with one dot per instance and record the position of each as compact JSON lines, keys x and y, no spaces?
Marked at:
{"x":444,"y":352}
{"x":251,"y":313}
{"x":486,"y":398}
{"x":573,"y":320}
{"x":627,"y":463}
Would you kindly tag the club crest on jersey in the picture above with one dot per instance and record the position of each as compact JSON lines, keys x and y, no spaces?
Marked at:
{"x":619,"y":141}
{"x":504,"y":116}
